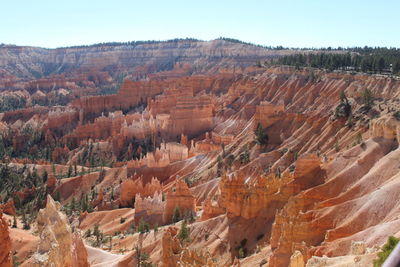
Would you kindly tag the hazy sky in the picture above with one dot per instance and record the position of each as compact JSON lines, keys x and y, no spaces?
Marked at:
{"x":308,"y":23}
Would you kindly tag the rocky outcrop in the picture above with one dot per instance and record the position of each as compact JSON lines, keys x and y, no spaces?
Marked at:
{"x":151,"y":209}
{"x":5,"y":243}
{"x":171,"y":248}
{"x":132,"y":187}
{"x":58,"y":246}
{"x":8,"y":208}
{"x":296,"y":260}
{"x":179,"y":196}
{"x":268,"y":113}
{"x":386,"y":127}
{"x":191,"y":116}
{"x":246,"y":197}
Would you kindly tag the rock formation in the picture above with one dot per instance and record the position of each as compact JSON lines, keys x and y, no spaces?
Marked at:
{"x":58,"y":245}
{"x":151,"y":209}
{"x":130,"y":188}
{"x":5,"y":243}
{"x":179,"y":196}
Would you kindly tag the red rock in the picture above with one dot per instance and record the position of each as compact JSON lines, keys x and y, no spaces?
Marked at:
{"x":5,"y":243}
{"x":130,"y":188}
{"x":9,"y":208}
{"x":180,"y":196}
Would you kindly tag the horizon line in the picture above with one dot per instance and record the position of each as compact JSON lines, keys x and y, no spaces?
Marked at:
{"x":192,"y":39}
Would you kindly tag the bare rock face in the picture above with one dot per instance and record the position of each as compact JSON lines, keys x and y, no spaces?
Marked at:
{"x":58,"y":246}
{"x":296,"y":260}
{"x":149,"y":208}
{"x":130,"y":187}
{"x":357,"y":248}
{"x":386,"y":127}
{"x":5,"y":243}
{"x":170,"y":247}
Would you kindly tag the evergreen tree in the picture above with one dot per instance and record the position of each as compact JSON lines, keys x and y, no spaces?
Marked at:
{"x":261,"y":135}
{"x":73,"y":204}
{"x":25,"y":222}
{"x":176,"y":216}
{"x":45,"y":176}
{"x":75,"y":169}
{"x":97,"y":233}
{"x":396,"y":67}
{"x":368,"y":98}
{"x":14,"y":225}
{"x":183,"y":234}
{"x":69,"y":173}
{"x":143,"y":226}
{"x":245,"y":156}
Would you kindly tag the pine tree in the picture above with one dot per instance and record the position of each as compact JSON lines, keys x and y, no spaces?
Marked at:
{"x":183,"y":234}
{"x":97,"y":234}
{"x":45,"y":176}
{"x":75,"y":170}
{"x":73,"y":204}
{"x":176,"y":216}
{"x":143,"y":226}
{"x":261,"y":135}
{"x":69,"y":174}
{"x":14,"y":225}
{"x":367,"y":98}
{"x":25,"y":222}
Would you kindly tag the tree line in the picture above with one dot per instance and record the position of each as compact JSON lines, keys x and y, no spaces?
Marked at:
{"x":367,"y":59}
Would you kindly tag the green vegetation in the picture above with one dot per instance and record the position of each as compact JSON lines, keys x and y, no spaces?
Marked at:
{"x":343,"y":110}
{"x":98,"y":234}
{"x":396,"y":115}
{"x":183,"y":234}
{"x":386,"y":250}
{"x":241,"y":249}
{"x":25,"y":222}
{"x":245,"y":156}
{"x":13,"y":180}
{"x":9,"y":103}
{"x":143,"y":227}
{"x":366,"y":59}
{"x":142,"y":258}
{"x":14,"y":225}
{"x":31,"y":144}
{"x":261,"y":135}
{"x":52,"y":100}
{"x":367,"y":98}
{"x":176,"y":216}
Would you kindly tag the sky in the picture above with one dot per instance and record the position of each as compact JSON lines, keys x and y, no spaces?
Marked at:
{"x":295,"y":23}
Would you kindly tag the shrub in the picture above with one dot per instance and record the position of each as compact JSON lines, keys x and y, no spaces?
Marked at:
{"x":241,"y":253}
{"x":397,"y":115}
{"x":88,"y":233}
{"x":386,"y":250}
{"x":122,"y":220}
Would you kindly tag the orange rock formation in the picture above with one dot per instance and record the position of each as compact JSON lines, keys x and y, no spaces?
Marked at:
{"x":5,"y":241}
